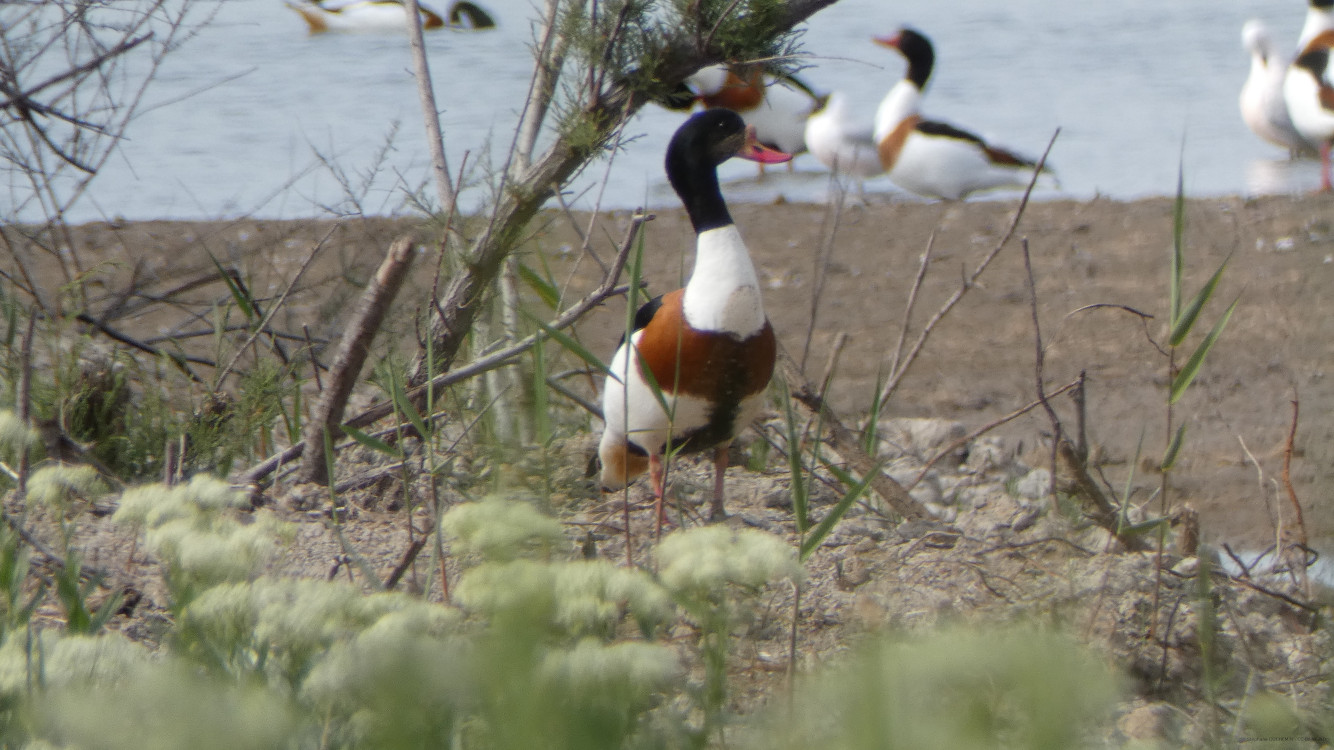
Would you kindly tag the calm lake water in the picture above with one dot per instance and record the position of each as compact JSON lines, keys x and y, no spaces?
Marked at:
{"x":255,"y":115}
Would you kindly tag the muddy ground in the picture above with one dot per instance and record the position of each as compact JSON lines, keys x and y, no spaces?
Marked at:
{"x":1101,"y":271}
{"x":1101,"y":274}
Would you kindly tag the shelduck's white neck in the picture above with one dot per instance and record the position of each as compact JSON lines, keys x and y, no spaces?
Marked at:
{"x":1317,"y":20}
{"x":902,"y":101}
{"x":723,"y":293}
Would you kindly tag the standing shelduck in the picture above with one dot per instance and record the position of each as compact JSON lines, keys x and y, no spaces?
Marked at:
{"x":1263,"y":107}
{"x":841,"y":143}
{"x":777,"y":107}
{"x":1308,"y":89}
{"x":934,"y":159}
{"x":1319,"y":19}
{"x":709,"y":347}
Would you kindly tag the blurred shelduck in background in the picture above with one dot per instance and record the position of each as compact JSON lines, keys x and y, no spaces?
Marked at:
{"x":935,"y":159}
{"x":843,"y":143}
{"x":386,"y":15}
{"x":1263,"y":107}
{"x":1308,"y":89}
{"x":1319,"y":18}
{"x":777,"y":106}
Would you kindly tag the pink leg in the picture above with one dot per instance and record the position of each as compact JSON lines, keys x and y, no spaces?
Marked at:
{"x":716,"y":511}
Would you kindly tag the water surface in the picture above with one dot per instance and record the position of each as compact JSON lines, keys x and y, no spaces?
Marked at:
{"x":285,"y":124}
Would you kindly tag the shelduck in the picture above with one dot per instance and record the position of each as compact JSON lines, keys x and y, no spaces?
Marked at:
{"x":1263,"y":107}
{"x":840,"y":142}
{"x":776,"y":106}
{"x":709,"y":347}
{"x":1310,"y":96}
{"x":935,"y":159}
{"x":1319,"y":19}
{"x":386,"y":15}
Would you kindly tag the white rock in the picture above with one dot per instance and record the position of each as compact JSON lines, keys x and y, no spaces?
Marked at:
{"x":1034,"y":485}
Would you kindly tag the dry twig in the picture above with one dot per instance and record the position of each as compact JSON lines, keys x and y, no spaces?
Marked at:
{"x":352,"y":352}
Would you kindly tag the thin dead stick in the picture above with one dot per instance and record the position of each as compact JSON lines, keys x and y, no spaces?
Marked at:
{"x":846,"y":444}
{"x":180,"y":360}
{"x":409,"y":556}
{"x":829,"y":230}
{"x":708,"y":40}
{"x":1039,"y":358}
{"x":352,"y":352}
{"x":1287,"y":475}
{"x":1103,"y":512}
{"x":541,"y":87}
{"x":1039,"y":354}
{"x":969,"y":281}
{"x":912,"y":300}
{"x":277,"y":305}
{"x":435,"y":138}
{"x":24,"y":399}
{"x":606,"y":291}
{"x":984,"y":429}
{"x":25,"y":97}
{"x":314,"y":361}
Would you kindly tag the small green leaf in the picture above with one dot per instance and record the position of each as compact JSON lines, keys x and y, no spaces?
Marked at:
{"x":796,"y":471}
{"x":1143,"y":527}
{"x":827,"y":524}
{"x":1130,"y":478}
{"x":1188,"y":372}
{"x":242,"y":299}
{"x":372,"y":442}
{"x":1170,"y":456}
{"x":570,"y":345}
{"x":1178,"y":243}
{"x":544,"y":289}
{"x":1187,"y":318}
{"x":405,"y":405}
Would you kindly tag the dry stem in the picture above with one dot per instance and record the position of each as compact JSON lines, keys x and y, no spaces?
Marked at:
{"x":352,"y":352}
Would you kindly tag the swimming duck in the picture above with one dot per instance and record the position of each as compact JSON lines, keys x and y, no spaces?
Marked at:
{"x":385,"y":15}
{"x":935,"y":159}
{"x":709,"y":347}
{"x":1309,"y":93}
{"x":776,"y":106}
{"x":1263,"y":108}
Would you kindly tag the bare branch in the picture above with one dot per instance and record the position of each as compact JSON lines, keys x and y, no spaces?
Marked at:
{"x":435,"y":139}
{"x":352,"y":351}
{"x":968,"y":281}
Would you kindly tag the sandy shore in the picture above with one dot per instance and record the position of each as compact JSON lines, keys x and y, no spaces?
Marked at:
{"x":1101,"y":271}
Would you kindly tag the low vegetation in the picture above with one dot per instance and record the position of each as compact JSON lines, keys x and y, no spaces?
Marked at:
{"x":456,"y":579}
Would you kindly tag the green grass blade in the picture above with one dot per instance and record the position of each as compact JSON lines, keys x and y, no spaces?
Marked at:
{"x":827,"y":524}
{"x":1188,"y":372}
{"x":1178,"y":249}
{"x":242,"y":299}
{"x":800,"y":497}
{"x":372,"y":442}
{"x":1188,"y":316}
{"x":543,"y":288}
{"x":541,"y":404}
{"x":1130,"y":478}
{"x":404,"y":405}
{"x":1143,"y":527}
{"x":569,"y":344}
{"x":1174,"y":448}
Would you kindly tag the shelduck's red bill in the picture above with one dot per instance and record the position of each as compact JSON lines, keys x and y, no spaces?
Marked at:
{"x":886,"y":41}
{"x":756,"y":151}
